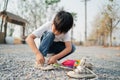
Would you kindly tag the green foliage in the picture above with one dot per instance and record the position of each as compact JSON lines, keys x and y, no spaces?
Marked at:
{"x":74,"y":15}
{"x":109,"y":7}
{"x":23,"y":0}
{"x":37,"y":12}
{"x":51,"y":2}
{"x":111,"y":0}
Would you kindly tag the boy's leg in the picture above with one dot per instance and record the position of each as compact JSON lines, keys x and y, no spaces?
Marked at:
{"x":57,"y":47}
{"x":46,"y":41}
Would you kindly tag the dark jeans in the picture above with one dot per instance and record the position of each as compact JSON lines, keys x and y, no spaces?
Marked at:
{"x":47,"y":45}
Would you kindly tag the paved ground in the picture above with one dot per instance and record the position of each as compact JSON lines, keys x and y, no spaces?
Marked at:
{"x":17,"y":63}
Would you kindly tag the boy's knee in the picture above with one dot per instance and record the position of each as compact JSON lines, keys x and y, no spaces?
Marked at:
{"x":50,"y":34}
{"x":47,"y":35}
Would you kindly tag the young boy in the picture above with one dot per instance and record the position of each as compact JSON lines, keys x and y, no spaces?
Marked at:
{"x":55,"y":38}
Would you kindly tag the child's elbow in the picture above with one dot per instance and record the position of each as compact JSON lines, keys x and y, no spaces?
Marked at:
{"x":29,"y":38}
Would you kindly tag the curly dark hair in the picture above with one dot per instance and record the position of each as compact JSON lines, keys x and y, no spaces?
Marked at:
{"x":63,"y":21}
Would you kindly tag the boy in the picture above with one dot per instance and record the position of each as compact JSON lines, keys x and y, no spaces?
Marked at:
{"x":54,"y":39}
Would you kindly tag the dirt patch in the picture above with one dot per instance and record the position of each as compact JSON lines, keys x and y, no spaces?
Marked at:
{"x":103,"y":56}
{"x":118,"y":55}
{"x":116,"y":48}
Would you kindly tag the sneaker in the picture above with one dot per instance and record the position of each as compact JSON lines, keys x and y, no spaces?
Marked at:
{"x":50,"y":54}
{"x":82,"y":70}
{"x":48,"y":67}
{"x":44,"y":67}
{"x":83,"y":61}
{"x":76,"y":75}
{"x":38,"y":66}
{"x":89,"y":65}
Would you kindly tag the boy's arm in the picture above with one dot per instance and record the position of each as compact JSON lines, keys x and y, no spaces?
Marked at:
{"x":31,"y":43}
{"x":66,"y":51}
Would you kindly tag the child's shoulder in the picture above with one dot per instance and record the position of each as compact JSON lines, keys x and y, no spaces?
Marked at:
{"x":48,"y":22}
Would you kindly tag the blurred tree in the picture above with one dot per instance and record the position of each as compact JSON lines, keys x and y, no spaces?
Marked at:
{"x":51,"y":8}
{"x":51,"y":2}
{"x":98,"y":34}
{"x":103,"y":25}
{"x":75,"y":19}
{"x":35,"y":11}
{"x":111,"y":17}
{"x":4,"y":9}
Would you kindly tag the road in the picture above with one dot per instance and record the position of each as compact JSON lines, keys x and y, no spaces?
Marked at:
{"x":17,"y":63}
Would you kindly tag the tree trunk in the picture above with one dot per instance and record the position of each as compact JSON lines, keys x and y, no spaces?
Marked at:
{"x":111,"y":32}
{"x":5,"y":30}
{"x":1,"y":25}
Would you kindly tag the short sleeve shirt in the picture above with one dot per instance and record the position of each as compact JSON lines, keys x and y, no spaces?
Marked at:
{"x":48,"y":27}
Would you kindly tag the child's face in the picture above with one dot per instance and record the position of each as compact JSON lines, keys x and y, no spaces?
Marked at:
{"x":54,"y":30}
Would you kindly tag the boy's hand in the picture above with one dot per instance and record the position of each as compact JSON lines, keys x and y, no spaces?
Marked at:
{"x":40,"y":59}
{"x":52,"y":60}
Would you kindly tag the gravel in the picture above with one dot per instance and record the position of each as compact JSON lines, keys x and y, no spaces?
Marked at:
{"x":17,"y":63}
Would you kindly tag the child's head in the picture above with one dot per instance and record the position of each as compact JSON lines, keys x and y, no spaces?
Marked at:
{"x":63,"y":21}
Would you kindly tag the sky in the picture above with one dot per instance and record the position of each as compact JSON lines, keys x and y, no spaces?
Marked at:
{"x":93,"y":8}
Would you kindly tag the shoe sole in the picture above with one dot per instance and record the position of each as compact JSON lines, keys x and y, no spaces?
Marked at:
{"x":91,"y":75}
